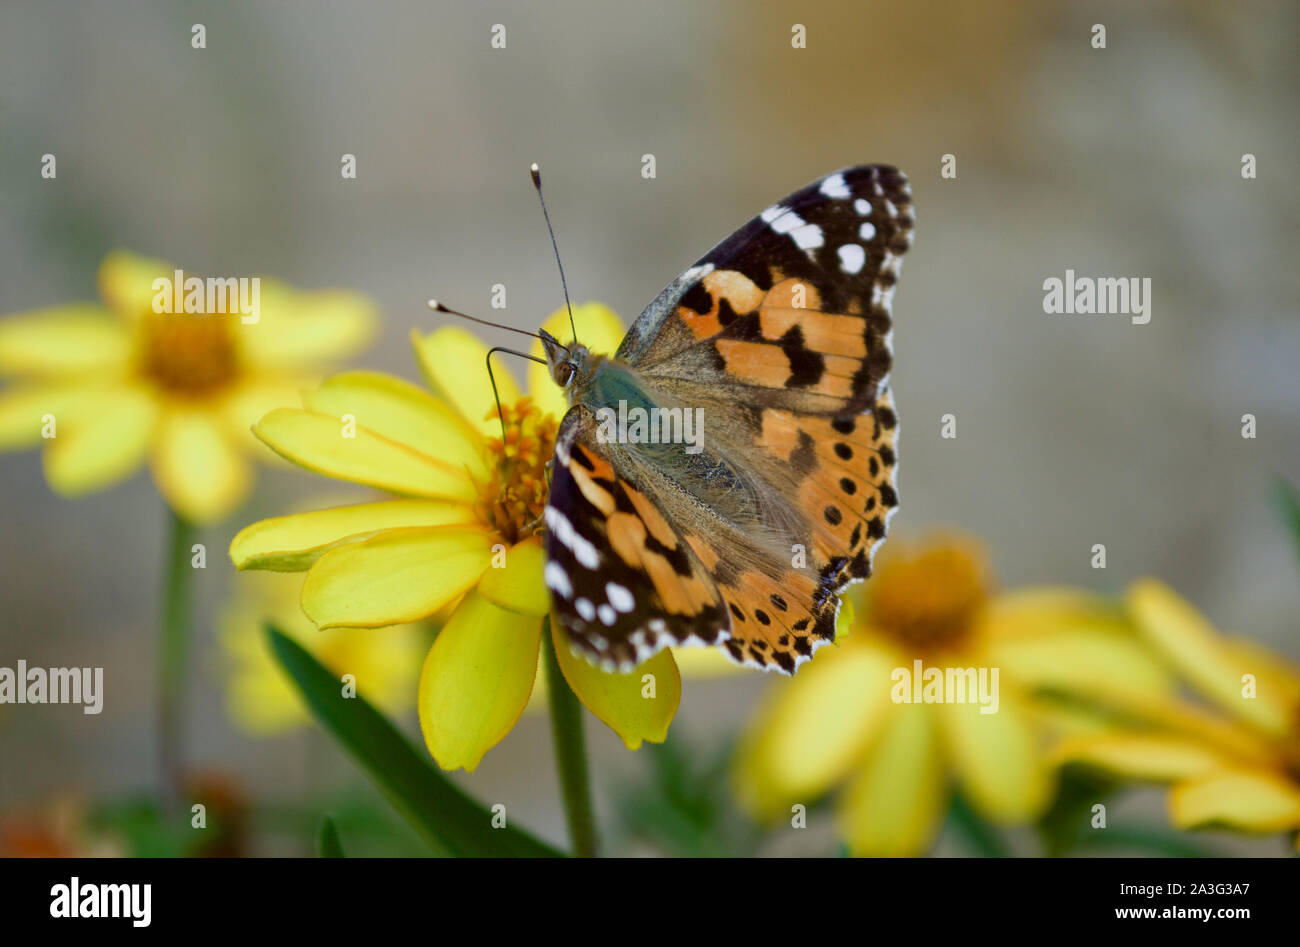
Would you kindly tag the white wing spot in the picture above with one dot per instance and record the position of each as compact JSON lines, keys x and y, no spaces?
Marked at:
{"x":563,"y":530}
{"x":697,"y":273}
{"x":834,"y":186}
{"x":785,"y":222}
{"x":619,"y":597}
{"x":852,"y":257}
{"x":607,"y":614}
{"x":808,"y":237}
{"x":862,"y":206}
{"x":585,"y":609}
{"x":867,"y":231}
{"x":557,"y":580}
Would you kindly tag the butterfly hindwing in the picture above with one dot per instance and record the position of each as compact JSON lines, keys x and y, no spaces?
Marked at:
{"x":623,"y":582}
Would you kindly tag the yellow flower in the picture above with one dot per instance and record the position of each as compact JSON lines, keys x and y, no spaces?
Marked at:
{"x":1238,"y":769}
{"x":107,"y":386}
{"x":462,"y":535}
{"x":263,"y":700}
{"x":853,"y":717}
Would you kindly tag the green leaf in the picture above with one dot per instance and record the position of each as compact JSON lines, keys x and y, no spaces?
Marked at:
{"x":1288,"y":503}
{"x":686,"y":808}
{"x":1146,"y":840}
{"x":1067,"y":823}
{"x":981,"y":837}
{"x":451,"y":822}
{"x":328,"y":842}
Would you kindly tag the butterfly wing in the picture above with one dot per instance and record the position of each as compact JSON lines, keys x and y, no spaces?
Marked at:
{"x":781,"y":336}
{"x":623,"y":582}
{"x":784,"y":329}
{"x":793,"y":309}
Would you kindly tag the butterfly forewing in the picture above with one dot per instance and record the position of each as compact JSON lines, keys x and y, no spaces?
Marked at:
{"x":795,"y":305}
{"x":623,"y":582}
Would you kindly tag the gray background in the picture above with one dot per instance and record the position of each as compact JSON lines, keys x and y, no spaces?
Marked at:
{"x":1071,"y":430}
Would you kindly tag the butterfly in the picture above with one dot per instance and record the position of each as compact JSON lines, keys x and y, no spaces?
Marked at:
{"x":777,"y":346}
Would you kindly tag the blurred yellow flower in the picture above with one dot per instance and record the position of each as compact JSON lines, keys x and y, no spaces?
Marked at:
{"x":260,"y":696}
{"x":463,"y":536}
{"x":107,"y":386}
{"x":1239,"y":769}
{"x":936,"y":683}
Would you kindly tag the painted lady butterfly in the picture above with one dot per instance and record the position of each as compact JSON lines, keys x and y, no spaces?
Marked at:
{"x":780,"y":338}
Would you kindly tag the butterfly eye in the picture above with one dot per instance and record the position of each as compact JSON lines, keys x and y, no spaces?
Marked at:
{"x":564,"y":372}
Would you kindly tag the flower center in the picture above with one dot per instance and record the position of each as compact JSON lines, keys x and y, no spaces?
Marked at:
{"x":188,"y":354}
{"x":513,"y":496}
{"x":929,"y":599}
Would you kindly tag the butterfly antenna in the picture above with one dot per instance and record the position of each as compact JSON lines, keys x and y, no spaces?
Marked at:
{"x":537,"y":183}
{"x":439,"y":307}
{"x":492,"y":378}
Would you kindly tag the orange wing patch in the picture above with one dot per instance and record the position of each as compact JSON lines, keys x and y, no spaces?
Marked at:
{"x":729,"y":293}
{"x":773,"y":624}
{"x":844,"y":468}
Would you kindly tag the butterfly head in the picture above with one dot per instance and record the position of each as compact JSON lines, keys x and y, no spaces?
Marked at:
{"x":566,"y":363}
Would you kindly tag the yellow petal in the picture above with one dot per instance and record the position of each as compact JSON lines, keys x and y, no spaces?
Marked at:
{"x":894,"y":805}
{"x":1191,"y":644}
{"x":401,"y":412}
{"x":1253,"y":800}
{"x":319,"y":442}
{"x":251,"y":399}
{"x":262,"y":698}
{"x":517,"y":585}
{"x":126,"y":283}
{"x":1275,"y":673}
{"x":103,"y":444}
{"x":845,"y":619}
{"x":1027,"y":610}
{"x":1080,"y":661}
{"x":997,"y":758}
{"x":638,"y":705}
{"x":26,"y":409}
{"x":599,"y":329}
{"x":63,"y":340}
{"x":1145,"y":756}
{"x":292,"y":543}
{"x":476,"y":681}
{"x":811,"y":730}
{"x":453,"y":362}
{"x":399,"y":575}
{"x":297,"y":330}
{"x":197,"y":468}
{"x":701,"y":663}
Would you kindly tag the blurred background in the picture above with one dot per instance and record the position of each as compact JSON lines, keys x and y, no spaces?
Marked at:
{"x":1071,"y":431}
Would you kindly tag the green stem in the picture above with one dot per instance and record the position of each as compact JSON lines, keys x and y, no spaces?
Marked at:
{"x":174,"y":652}
{"x":981,"y":836}
{"x":570,"y":752}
